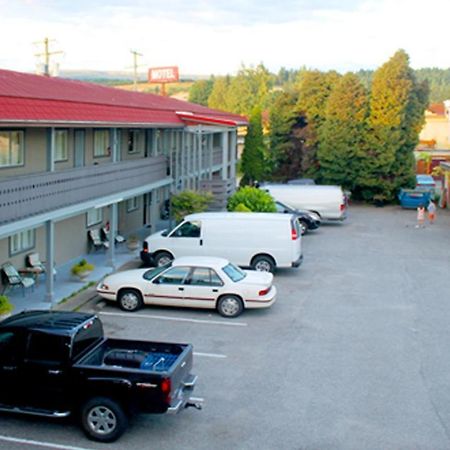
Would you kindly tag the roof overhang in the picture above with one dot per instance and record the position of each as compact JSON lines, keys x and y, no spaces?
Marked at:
{"x":194,"y":118}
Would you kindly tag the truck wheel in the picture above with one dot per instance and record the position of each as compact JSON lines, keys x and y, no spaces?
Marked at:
{"x":103,"y":419}
{"x":163,"y":258}
{"x":303,"y":227}
{"x":230,"y":306}
{"x":263,"y":263}
{"x":130,"y":300}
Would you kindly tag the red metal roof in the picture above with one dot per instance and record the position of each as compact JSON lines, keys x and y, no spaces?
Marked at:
{"x":36,"y":99}
{"x":437,"y":108}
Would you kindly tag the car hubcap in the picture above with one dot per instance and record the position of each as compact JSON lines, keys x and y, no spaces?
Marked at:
{"x":102,"y":420}
{"x":130,"y":301}
{"x":263,"y":266}
{"x":230,"y":306}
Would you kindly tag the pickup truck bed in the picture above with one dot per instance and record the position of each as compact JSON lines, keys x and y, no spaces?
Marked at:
{"x":141,"y":355}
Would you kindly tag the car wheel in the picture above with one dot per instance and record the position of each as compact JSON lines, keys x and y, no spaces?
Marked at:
{"x":163,"y":258}
{"x":103,"y":419}
{"x":303,"y":227}
{"x":130,"y":300}
{"x":263,"y":264}
{"x":230,"y":306}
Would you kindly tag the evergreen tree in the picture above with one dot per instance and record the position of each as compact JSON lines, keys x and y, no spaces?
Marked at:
{"x":397,"y":107}
{"x":200,"y":91}
{"x":314,"y":88}
{"x":252,"y":160}
{"x":342,"y":135}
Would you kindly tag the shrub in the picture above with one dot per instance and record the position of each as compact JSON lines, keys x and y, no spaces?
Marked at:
{"x":5,"y":305}
{"x":242,"y":208}
{"x":82,"y":266}
{"x":253,"y":199}
{"x":188,"y":202}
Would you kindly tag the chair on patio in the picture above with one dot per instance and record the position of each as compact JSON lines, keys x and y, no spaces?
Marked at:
{"x":96,"y":240}
{"x":11,"y":278}
{"x":35,"y":265}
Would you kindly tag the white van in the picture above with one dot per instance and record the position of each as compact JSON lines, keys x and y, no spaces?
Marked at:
{"x":263,"y":241}
{"x":328,"y":202}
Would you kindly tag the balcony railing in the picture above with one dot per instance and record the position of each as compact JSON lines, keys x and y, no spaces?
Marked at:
{"x":28,"y":195}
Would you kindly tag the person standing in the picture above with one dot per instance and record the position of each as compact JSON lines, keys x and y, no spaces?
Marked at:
{"x":431,"y":208}
{"x":420,"y":216}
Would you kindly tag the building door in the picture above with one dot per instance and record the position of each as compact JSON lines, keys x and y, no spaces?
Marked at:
{"x":79,"y":144}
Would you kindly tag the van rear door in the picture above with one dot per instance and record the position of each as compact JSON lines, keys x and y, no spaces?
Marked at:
{"x":296,"y":241}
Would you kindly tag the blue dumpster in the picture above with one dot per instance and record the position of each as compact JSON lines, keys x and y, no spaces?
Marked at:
{"x":413,"y":198}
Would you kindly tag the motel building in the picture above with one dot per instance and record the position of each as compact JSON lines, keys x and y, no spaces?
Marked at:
{"x":76,"y":157}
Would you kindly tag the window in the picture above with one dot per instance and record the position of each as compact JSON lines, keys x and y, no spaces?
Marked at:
{"x":61,"y":145}
{"x":176,"y":275}
{"x":187,"y":229}
{"x":136,"y":141}
{"x":132,"y":204}
{"x":204,"y":276}
{"x":20,"y":242}
{"x":46,"y":347}
{"x":11,"y":148}
{"x":94,"y":216}
{"x":9,"y":346}
{"x":101,"y":143}
{"x":234,"y":273}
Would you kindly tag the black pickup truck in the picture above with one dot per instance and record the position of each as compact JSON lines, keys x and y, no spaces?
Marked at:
{"x":58,"y":364}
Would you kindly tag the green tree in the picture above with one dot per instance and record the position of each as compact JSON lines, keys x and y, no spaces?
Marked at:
{"x":188,"y":202}
{"x":314,"y":88}
{"x":218,"y":98}
{"x":250,"y":198}
{"x":397,"y":105}
{"x":341,"y":151}
{"x":200,"y":91}
{"x":253,"y":156}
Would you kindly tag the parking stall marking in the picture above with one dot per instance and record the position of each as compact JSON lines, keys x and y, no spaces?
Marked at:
{"x":175,"y":319}
{"x":40,"y":443}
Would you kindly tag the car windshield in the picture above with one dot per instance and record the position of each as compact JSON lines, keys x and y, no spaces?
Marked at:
{"x":152,"y":273}
{"x":234,"y":273}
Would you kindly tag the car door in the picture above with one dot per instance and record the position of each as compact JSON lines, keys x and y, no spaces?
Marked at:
{"x":186,"y":239}
{"x":168,"y":287}
{"x":12,"y":343}
{"x":202,"y":288}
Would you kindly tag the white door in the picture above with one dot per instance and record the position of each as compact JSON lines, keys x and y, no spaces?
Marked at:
{"x":186,"y":239}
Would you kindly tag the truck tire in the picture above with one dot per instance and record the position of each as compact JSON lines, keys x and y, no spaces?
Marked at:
{"x":130,"y":300}
{"x":230,"y":306}
{"x":263,"y":263}
{"x":163,"y":258}
{"x":103,"y":419}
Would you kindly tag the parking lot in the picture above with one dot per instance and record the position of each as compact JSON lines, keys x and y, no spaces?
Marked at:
{"x":354,"y":354}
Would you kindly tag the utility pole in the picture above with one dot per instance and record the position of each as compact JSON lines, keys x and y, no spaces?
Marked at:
{"x":135,"y":67}
{"x":46,"y":55}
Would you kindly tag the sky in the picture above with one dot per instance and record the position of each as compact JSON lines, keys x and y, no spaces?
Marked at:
{"x":205,"y":37}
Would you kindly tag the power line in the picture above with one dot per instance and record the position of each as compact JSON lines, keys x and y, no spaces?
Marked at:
{"x":46,"y":54}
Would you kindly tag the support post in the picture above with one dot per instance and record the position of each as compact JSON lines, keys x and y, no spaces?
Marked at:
{"x":50,"y":260}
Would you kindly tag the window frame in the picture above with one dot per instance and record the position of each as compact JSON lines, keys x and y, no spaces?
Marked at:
{"x":21,"y":248}
{"x":21,"y":142}
{"x":97,"y":221}
{"x":132,"y":204}
{"x":136,"y":136}
{"x":107,"y":148}
{"x":65,"y":154}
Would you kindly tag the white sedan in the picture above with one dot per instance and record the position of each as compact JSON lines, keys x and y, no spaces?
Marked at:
{"x":191,"y":281}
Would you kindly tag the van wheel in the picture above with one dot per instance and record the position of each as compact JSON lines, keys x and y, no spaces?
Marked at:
{"x":230,"y":306}
{"x":103,"y":419}
{"x":130,"y":300}
{"x":303,"y":227}
{"x":163,"y":258}
{"x":263,"y":264}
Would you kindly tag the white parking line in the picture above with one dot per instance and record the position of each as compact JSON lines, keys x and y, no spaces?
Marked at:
{"x":175,"y":319}
{"x":210,"y":355}
{"x":40,"y":444}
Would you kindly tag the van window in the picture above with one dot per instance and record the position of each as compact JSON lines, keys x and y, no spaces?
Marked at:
{"x":187,"y":229}
{"x":234,"y":272}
